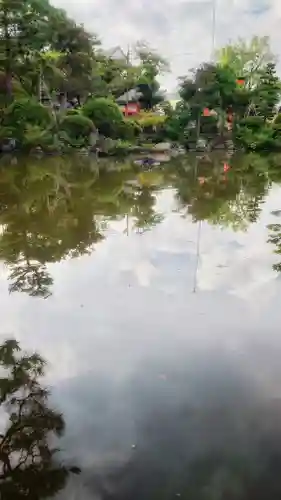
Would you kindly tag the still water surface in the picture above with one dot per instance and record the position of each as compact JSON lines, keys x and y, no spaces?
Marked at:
{"x":154,"y":298}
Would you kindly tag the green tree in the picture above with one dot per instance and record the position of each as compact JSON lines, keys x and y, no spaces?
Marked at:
{"x":105,"y":114}
{"x":26,"y":29}
{"x":152,"y":65}
{"x":213,"y":87}
{"x":77,"y":56}
{"x":247,"y":59}
{"x":267,"y":93}
{"x":117,"y":76}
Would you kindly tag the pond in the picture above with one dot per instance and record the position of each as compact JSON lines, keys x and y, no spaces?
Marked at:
{"x":154,"y":297}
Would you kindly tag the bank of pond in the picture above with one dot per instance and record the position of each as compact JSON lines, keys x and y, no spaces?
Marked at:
{"x":99,"y":127}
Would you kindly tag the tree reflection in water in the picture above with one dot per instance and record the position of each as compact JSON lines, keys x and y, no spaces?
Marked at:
{"x":230,"y":199}
{"x":275,"y":239}
{"x":29,"y":464}
{"x":54,"y":209}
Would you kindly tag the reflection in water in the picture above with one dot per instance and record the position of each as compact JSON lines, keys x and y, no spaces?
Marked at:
{"x":275,"y":239}
{"x":229,"y":199}
{"x":168,"y":394}
{"x":54,"y":209}
{"x":29,"y":465}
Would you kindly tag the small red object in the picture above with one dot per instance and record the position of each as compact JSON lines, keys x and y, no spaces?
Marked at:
{"x":226,"y":167}
{"x":206,"y":112}
{"x":131,"y":109}
{"x":240,"y":81}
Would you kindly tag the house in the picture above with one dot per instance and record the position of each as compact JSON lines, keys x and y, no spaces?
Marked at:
{"x":129,"y":102}
{"x":137,"y":98}
{"x":116,"y":53}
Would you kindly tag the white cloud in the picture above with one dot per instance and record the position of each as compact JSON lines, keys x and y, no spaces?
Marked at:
{"x":180,"y":29}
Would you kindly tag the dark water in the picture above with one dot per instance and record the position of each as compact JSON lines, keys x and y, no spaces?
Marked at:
{"x":155,"y":299}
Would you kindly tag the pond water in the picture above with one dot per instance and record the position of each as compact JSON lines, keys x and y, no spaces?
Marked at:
{"x":154,"y":298}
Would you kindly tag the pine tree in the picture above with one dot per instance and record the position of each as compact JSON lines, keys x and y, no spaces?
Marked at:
{"x":267,"y":93}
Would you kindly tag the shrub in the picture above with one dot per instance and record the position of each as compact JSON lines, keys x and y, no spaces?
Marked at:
{"x":120,"y":148}
{"x":76,"y":125}
{"x":209,"y":126}
{"x":24,"y":112}
{"x":72,"y":111}
{"x":128,"y":130}
{"x":252,"y":122}
{"x":262,"y":139}
{"x":278,"y":119}
{"x":147,"y":119}
{"x":276,"y":127}
{"x":105,"y":114}
{"x":35,"y":137}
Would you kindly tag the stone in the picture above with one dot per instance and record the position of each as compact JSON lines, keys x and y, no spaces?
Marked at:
{"x":163,"y":146}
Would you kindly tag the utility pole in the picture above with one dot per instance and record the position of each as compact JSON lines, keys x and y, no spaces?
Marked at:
{"x":212,"y":56}
{"x":127,"y":90}
{"x":197,"y":255}
{"x":214,"y":26}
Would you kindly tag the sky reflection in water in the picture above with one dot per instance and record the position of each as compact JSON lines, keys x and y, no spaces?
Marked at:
{"x":165,"y":392}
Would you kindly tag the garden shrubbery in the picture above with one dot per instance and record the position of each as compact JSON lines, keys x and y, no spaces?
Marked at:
{"x":105,"y":114}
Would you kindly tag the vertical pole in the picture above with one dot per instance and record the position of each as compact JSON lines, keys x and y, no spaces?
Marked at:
{"x":198,"y":126}
{"x":197,"y":256}
{"x":127,"y":90}
{"x":214,"y":23}
{"x":127,"y":224}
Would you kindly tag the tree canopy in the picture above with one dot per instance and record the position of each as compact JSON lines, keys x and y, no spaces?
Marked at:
{"x":248,"y":59}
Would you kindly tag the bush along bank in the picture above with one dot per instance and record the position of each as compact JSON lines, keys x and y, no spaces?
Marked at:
{"x":48,"y":61}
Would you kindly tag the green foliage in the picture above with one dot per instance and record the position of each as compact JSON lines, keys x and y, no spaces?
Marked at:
{"x":148,"y":119}
{"x":27,"y":110}
{"x":151,"y":65}
{"x":36,"y":137}
{"x":16,"y":88}
{"x":267,"y":93}
{"x":120,"y":148}
{"x":177,"y":125}
{"x":27,"y":120}
{"x":278,"y":119}
{"x":247,"y":59}
{"x":166,"y":108}
{"x":76,"y":125}
{"x":211,"y":86}
{"x":43,"y":53}
{"x":252,"y":122}
{"x":215,"y":87}
{"x":253,"y":133}
{"x":71,"y":112}
{"x":129,"y":130}
{"x":105,"y":114}
{"x":256,"y":139}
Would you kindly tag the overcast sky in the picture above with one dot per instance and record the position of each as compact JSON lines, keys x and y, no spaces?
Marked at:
{"x":176,"y":27}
